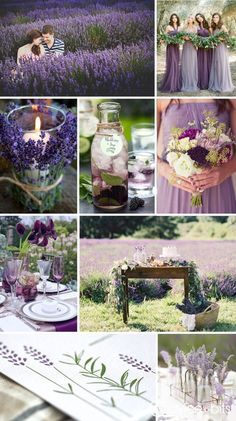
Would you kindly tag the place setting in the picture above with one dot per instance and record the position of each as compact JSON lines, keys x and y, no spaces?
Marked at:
{"x":37,"y":298}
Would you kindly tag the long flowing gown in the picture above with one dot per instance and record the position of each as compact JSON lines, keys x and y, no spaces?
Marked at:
{"x":170,"y":199}
{"x":204,"y":58}
{"x":171,"y":79}
{"x":220,"y":77}
{"x":189,"y":67}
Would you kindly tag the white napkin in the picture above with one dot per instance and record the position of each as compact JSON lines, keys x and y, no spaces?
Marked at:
{"x":12,"y":323}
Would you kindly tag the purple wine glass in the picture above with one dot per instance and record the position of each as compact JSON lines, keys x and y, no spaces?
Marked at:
{"x":12,"y":274}
{"x":58,"y":271}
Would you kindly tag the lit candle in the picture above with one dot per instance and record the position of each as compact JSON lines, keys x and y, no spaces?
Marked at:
{"x":36,"y":134}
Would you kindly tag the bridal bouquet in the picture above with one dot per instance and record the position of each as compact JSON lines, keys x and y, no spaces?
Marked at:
{"x":190,"y":150}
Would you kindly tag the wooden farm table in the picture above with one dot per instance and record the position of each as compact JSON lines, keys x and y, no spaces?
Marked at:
{"x":161,"y":272}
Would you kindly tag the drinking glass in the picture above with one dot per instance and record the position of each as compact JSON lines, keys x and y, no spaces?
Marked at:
{"x":141,"y":166}
{"x":12,"y":274}
{"x":58,"y":271}
{"x":143,"y":136}
{"x":44,"y":270}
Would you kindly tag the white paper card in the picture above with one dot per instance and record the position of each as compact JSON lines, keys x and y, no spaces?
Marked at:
{"x":102,"y":376}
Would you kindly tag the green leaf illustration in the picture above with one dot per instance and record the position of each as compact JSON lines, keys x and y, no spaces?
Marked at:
{"x":87,"y":361}
{"x":103,"y":370}
{"x":124,"y":378}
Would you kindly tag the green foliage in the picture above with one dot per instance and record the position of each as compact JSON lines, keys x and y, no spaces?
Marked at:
{"x":97,"y":37}
{"x":152,"y":316}
{"x":85,"y":185}
{"x":95,"y":287}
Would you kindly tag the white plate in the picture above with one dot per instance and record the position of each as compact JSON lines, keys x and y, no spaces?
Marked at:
{"x":51,"y":287}
{"x":2,"y":298}
{"x":34,"y":311}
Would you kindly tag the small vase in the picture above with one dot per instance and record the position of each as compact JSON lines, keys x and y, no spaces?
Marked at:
{"x":29,"y":293}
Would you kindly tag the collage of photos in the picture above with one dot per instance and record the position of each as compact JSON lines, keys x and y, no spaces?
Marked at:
{"x":117,"y":210}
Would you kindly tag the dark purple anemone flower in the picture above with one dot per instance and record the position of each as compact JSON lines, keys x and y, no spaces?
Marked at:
{"x":198,"y":154}
{"x":20,"y":228}
{"x":191,"y":133}
{"x":42,"y":232}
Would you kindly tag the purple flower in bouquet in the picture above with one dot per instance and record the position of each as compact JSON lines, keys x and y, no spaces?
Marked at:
{"x":20,"y":228}
{"x":191,"y":133}
{"x":198,"y":154}
{"x":41,"y":233}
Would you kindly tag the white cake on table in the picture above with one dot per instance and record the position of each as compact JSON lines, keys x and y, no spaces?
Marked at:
{"x":169,"y":252}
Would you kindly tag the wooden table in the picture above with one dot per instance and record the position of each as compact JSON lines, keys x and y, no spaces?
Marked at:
{"x":68,"y":203}
{"x":161,"y":272}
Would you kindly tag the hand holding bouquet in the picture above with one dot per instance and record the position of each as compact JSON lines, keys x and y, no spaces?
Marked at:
{"x":191,"y":150}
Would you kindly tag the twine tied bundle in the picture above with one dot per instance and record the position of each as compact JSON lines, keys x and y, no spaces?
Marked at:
{"x":30,"y":188}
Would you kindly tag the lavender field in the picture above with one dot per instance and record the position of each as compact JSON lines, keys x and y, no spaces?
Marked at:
{"x":98,"y":256}
{"x":109,"y":48}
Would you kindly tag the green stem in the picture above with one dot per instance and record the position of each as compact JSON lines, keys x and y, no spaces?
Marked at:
{"x":110,"y":382}
{"x":74,"y":394}
{"x":91,"y":393}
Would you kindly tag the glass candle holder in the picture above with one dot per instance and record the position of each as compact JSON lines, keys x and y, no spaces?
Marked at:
{"x":143,"y":136}
{"x":141,"y":166}
{"x":38,"y":123}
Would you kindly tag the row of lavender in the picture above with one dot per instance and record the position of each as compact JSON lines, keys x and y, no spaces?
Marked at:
{"x":123,"y":70}
{"x":53,"y":10}
{"x":86,"y":32}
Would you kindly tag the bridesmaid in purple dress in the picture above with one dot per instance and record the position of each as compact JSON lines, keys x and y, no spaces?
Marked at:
{"x":171,"y":80}
{"x":189,"y":67}
{"x":220,"y":76}
{"x":204,"y":55}
{"x":217,"y":186}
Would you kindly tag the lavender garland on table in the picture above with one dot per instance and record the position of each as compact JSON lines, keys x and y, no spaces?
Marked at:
{"x":59,"y":149}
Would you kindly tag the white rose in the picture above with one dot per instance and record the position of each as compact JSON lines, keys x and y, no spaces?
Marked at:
{"x":172,"y":157}
{"x":184,"y":166}
{"x":124,"y":267}
{"x":184,"y":144}
{"x":224,"y":138}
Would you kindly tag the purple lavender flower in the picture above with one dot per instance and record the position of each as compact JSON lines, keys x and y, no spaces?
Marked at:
{"x":20,"y":228}
{"x":191,"y":133}
{"x":11,"y":356}
{"x":219,"y":389}
{"x":198,"y":154}
{"x":166,"y":357}
{"x":37,"y":355}
{"x":179,"y":356}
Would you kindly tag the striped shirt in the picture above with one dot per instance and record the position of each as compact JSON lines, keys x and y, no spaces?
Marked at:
{"x":58,"y":47}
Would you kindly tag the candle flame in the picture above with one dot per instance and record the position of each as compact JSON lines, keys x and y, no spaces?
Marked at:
{"x":37,"y":124}
{"x":34,"y":107}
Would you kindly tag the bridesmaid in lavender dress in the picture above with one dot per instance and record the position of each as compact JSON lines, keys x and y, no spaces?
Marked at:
{"x":217,"y":186}
{"x":220,"y":77}
{"x":189,"y":66}
{"x":204,"y":55}
{"x":171,"y":80}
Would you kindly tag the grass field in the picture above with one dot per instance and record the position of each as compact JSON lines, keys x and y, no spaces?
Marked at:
{"x":154,"y":315}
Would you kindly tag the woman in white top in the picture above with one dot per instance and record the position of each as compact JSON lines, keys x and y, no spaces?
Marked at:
{"x":34,"y":48}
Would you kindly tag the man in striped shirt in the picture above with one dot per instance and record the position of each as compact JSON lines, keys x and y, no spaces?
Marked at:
{"x":51,"y":44}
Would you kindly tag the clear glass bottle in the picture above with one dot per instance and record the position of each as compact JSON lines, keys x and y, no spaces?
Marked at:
{"x":109,"y":160}
{"x":87,"y":129}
